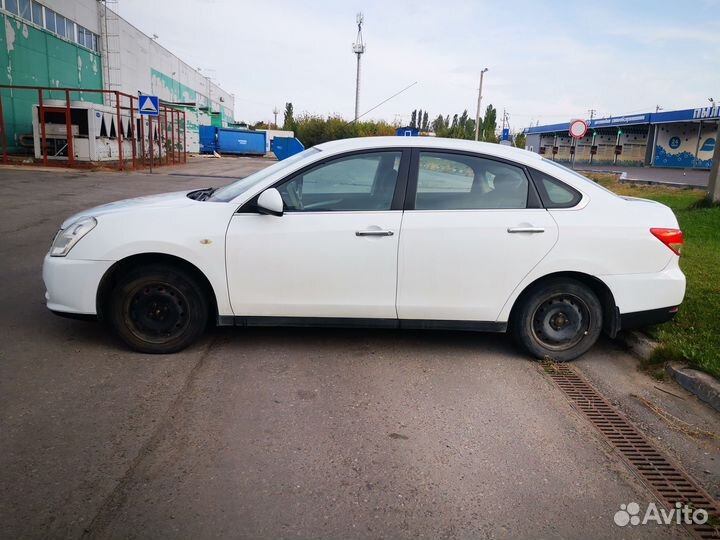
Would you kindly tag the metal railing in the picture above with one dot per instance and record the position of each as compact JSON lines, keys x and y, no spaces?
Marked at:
{"x":167,"y":148}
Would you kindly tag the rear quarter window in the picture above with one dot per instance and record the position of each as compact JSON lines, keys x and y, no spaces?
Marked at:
{"x":554,"y":193}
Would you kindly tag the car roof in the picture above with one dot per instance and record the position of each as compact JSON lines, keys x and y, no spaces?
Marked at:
{"x":436,"y":143}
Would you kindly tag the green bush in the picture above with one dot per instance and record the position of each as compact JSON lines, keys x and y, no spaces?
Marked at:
{"x":313,"y":129}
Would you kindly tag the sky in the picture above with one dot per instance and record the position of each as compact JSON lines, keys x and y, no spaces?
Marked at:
{"x":547,"y":61}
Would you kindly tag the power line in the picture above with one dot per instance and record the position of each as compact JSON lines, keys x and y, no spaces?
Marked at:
{"x":382,"y":103}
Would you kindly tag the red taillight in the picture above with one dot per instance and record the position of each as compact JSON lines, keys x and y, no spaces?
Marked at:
{"x":672,"y":238}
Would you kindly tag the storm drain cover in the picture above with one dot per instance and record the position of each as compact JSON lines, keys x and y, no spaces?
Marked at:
{"x":669,"y":482}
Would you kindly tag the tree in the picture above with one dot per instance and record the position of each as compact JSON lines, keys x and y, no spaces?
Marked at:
{"x":419,"y":119}
{"x":289,"y":121}
{"x":469,"y":132}
{"x":489,"y":125}
{"x":439,"y":126}
{"x":425,"y":122}
{"x":413,"y":119}
{"x":313,"y":129}
{"x":454,"y":124}
{"x":519,"y":140}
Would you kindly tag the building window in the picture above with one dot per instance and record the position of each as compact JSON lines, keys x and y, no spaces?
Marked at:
{"x":37,"y":14}
{"x":81,"y":35}
{"x":25,"y":12}
{"x":50,"y":19}
{"x":60,"y":25}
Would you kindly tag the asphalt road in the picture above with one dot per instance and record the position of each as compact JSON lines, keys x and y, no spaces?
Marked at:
{"x":291,"y":433}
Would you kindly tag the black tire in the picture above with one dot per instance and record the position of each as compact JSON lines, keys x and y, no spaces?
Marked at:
{"x":558,"y":319}
{"x":158,"y":309}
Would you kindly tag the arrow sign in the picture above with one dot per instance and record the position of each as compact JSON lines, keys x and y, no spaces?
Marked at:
{"x":149,"y":105}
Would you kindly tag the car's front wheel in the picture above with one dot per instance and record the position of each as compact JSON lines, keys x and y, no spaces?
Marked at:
{"x":558,"y":319}
{"x":158,"y":309}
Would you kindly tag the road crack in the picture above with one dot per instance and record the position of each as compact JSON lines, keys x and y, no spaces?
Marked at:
{"x":107,"y":512}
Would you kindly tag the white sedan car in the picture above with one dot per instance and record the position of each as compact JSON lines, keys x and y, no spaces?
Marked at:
{"x":396,"y":232}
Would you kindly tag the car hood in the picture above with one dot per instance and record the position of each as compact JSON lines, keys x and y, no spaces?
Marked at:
{"x":163,"y":200}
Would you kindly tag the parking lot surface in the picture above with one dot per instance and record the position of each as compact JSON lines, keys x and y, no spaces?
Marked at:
{"x":280,"y":433}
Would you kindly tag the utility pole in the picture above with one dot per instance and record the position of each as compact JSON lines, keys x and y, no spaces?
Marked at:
{"x":358,"y":49}
{"x":658,"y":108}
{"x":714,"y":182}
{"x":477,"y":113}
{"x":592,"y":112}
{"x":275,"y":113}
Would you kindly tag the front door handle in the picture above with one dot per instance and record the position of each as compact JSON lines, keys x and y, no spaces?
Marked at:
{"x":526,"y":230}
{"x":371,"y":232}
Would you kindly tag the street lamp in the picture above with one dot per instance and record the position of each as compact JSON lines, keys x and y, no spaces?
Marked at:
{"x":477,"y":113}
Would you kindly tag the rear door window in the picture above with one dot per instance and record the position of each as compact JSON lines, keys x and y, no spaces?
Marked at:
{"x":448,"y":181}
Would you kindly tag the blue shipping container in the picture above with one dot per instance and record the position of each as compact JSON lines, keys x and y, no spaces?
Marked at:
{"x":284,"y":147}
{"x":232,"y":141}
{"x":208,"y":139}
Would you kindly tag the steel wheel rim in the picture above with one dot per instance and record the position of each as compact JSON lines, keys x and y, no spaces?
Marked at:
{"x":561,"y":322}
{"x":157,"y":312}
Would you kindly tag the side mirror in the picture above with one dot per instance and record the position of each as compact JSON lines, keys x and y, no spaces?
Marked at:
{"x":270,"y":202}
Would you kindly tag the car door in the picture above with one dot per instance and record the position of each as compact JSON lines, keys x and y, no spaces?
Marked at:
{"x":472,"y":229}
{"x":333,"y":252}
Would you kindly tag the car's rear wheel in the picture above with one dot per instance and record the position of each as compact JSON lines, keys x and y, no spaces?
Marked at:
{"x":158,"y":309}
{"x":558,"y":319}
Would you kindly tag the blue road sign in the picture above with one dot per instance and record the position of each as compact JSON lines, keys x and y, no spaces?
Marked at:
{"x":149,"y":105}
{"x":506,"y":134}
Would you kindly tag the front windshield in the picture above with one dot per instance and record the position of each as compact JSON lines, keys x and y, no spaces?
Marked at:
{"x":577,"y":174}
{"x":229,"y":192}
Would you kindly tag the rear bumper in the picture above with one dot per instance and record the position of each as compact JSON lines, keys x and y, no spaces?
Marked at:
{"x":639,"y":293}
{"x":640,"y":319}
{"x":71,"y":285}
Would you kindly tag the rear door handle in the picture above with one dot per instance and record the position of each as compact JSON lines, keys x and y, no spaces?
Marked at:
{"x":371,"y":232}
{"x":526,"y":230}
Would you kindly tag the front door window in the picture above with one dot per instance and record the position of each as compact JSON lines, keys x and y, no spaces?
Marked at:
{"x":360,"y":182}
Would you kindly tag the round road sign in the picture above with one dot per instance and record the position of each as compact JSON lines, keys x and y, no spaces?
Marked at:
{"x":578,"y":128}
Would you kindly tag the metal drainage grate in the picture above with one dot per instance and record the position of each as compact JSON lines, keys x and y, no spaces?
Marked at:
{"x":670,"y":483}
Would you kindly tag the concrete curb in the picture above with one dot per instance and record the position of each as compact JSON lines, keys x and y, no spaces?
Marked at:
{"x":626,"y":180}
{"x":602,"y":171}
{"x":639,"y":344}
{"x":704,"y":386}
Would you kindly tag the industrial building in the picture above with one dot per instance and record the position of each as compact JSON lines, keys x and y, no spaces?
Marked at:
{"x":682,"y":139}
{"x":85,"y":44}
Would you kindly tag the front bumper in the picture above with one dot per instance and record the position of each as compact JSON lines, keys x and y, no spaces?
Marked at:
{"x":71,"y":284}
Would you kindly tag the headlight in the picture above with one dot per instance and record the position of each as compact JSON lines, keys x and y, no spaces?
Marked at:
{"x":71,"y":235}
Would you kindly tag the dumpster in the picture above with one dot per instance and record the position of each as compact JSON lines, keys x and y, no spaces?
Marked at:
{"x":284,"y":147}
{"x":231,"y":141}
{"x":208,"y":139}
{"x":235,"y":141}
